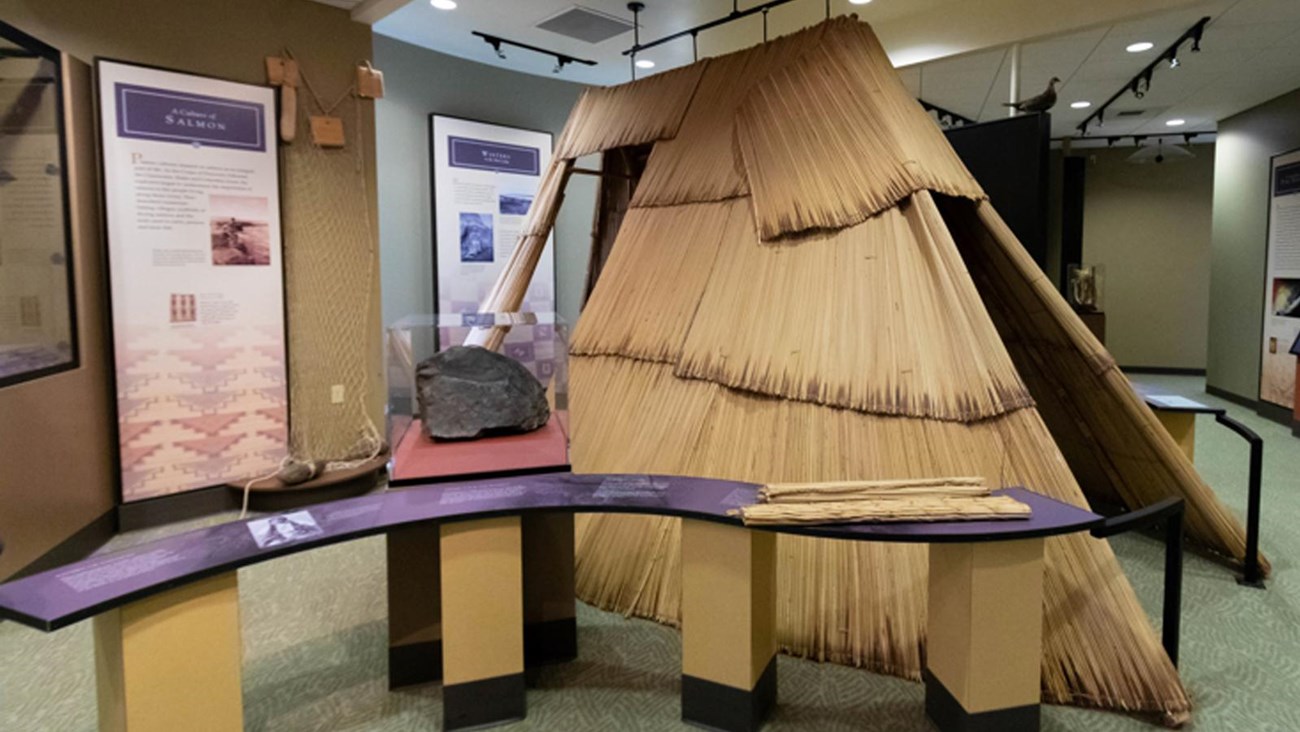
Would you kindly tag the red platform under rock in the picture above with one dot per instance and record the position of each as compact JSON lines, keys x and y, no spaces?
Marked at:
{"x":418,"y":458}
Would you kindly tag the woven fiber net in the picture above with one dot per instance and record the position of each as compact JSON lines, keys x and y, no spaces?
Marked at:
{"x":331,"y":264}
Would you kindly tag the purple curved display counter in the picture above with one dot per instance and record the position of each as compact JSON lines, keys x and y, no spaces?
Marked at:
{"x":983,"y":574}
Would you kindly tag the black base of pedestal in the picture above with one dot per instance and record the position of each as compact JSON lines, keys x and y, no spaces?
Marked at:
{"x":545,"y":643}
{"x":718,"y":706}
{"x":949,"y":716}
{"x":485,"y":703}
{"x":414,"y":663}
{"x":550,"y":641}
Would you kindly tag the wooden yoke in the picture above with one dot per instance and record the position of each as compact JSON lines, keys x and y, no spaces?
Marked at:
{"x":283,"y":73}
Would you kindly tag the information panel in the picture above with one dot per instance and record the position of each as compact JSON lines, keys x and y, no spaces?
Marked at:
{"x":1282,"y":282}
{"x":485,"y":178}
{"x":191,"y":186}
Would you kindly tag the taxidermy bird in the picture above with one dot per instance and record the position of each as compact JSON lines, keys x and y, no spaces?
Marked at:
{"x":1040,"y":103}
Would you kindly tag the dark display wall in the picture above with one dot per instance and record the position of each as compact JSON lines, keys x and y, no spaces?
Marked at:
{"x":1009,"y":159}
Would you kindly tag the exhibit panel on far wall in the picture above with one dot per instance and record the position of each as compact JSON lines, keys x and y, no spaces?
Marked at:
{"x":1282,"y":282}
{"x":485,"y":178}
{"x":191,"y":186}
{"x":36,"y":315}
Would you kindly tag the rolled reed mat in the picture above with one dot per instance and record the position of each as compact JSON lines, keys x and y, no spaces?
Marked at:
{"x":892,"y":509}
{"x":845,"y":490}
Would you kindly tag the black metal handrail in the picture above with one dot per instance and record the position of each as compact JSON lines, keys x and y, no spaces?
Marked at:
{"x":1170,"y":511}
{"x":1252,"y":572}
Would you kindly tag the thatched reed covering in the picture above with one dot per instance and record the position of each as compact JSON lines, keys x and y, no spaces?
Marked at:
{"x":840,"y":129}
{"x":620,"y":116}
{"x":786,"y":301}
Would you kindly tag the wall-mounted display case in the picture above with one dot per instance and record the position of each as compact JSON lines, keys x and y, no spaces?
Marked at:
{"x":37,"y":315}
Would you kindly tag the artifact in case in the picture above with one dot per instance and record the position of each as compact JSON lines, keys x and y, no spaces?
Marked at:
{"x":436,"y":385}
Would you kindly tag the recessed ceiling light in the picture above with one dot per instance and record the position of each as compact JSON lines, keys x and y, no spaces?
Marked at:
{"x":645,"y":63}
{"x":859,"y":2}
{"x":1175,"y":122}
{"x":1140,"y":47}
{"x":1080,"y":105}
{"x":443,"y":4}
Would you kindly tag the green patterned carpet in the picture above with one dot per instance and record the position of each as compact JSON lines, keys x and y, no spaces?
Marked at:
{"x":315,"y":641}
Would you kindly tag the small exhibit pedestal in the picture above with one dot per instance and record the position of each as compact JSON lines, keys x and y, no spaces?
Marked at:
{"x":1095,"y":321}
{"x":482,"y":622}
{"x":985,"y":636}
{"x":1182,"y":427}
{"x":172,"y":661}
{"x":415,"y":597}
{"x":728,"y":625}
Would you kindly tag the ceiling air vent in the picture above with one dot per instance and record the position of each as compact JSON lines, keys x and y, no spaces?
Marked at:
{"x":1131,"y":113}
{"x":586,"y":24}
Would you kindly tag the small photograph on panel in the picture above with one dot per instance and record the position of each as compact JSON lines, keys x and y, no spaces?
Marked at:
{"x":284,"y":529}
{"x":184,"y":308}
{"x":240,"y":230}
{"x":475,"y":237}
{"x":1286,"y":297}
{"x":514,"y":204}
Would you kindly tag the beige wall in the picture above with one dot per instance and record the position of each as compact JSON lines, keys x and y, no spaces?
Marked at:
{"x":53,"y":475}
{"x":1150,"y":226}
{"x":1246,"y":142}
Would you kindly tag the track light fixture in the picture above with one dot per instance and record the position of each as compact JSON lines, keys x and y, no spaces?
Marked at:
{"x":1112,"y":140}
{"x":735,"y":14}
{"x":498,"y":44}
{"x":1140,"y":84}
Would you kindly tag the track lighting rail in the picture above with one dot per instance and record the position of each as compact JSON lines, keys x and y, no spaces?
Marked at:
{"x":1139,"y":84}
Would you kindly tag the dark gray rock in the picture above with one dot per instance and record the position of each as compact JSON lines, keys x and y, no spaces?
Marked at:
{"x":467,"y":391}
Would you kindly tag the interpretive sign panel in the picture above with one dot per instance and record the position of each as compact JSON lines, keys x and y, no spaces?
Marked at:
{"x":485,"y":178}
{"x":1282,"y":282}
{"x":192,"y":197}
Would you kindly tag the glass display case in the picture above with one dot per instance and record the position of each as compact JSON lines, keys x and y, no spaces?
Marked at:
{"x":1086,"y":287}
{"x":424,"y":449}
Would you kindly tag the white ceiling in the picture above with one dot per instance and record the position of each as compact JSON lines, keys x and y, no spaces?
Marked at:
{"x":1249,"y":52}
{"x":1248,"y":56}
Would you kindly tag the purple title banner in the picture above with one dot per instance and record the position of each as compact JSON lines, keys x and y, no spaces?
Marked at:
{"x":495,"y":156}
{"x":163,"y":115}
{"x":1286,"y":179}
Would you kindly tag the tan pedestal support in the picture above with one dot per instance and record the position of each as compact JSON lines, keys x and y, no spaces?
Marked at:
{"x":482,"y":622}
{"x":985,"y":635}
{"x":415,"y":601}
{"x":728,"y":625}
{"x":1182,"y":427}
{"x":550,"y":613}
{"x":172,"y":661}
{"x":414,"y":606}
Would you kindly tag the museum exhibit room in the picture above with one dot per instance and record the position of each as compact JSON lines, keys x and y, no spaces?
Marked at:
{"x":883,"y":365}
